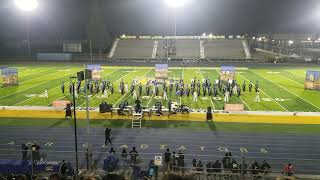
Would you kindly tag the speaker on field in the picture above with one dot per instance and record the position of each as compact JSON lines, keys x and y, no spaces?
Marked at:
{"x":103,"y":107}
{"x":80,"y":76}
{"x":88,"y":73}
{"x":209,"y":113}
{"x":68,"y":111}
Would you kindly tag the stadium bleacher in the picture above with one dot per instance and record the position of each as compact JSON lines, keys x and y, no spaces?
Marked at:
{"x":134,"y":48}
{"x":187,"y":49}
{"x":179,"y":48}
{"x":224,"y":48}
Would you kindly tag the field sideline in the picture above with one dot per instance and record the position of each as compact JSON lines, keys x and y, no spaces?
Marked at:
{"x":282,"y":89}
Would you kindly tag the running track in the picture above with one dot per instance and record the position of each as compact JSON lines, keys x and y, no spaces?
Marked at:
{"x":57,"y":143}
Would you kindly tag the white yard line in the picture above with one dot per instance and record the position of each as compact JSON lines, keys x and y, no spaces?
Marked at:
{"x":214,"y":108}
{"x":295,"y":74}
{"x":287,"y":90}
{"x":32,"y":86}
{"x":290,"y":79}
{"x":245,"y":103}
{"x":49,"y":95}
{"x":267,"y":95}
{"x":23,"y":82}
{"x":182,"y":73}
{"x":150,"y":100}
{"x":128,"y":91}
{"x":35,"y":96}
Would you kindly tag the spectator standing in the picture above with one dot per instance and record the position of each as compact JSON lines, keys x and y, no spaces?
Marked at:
{"x":124,"y":154}
{"x":255,"y":168}
{"x":288,"y":169}
{"x":24,"y":149}
{"x":167,"y":158}
{"x":174,"y":161}
{"x":134,"y":154}
{"x":35,"y":152}
{"x":199,"y":165}
{"x":235,"y":167}
{"x":181,"y":161}
{"x":217,"y":166}
{"x":226,"y":161}
{"x":265,"y":167}
{"x":107,"y":134}
{"x":112,"y":150}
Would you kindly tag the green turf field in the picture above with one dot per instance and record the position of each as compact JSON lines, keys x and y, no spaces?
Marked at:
{"x":282,"y":89}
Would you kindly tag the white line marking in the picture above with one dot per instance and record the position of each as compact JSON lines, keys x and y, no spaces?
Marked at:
{"x":287,"y":90}
{"x":295,"y":74}
{"x":23,"y":82}
{"x":182,"y":73}
{"x":33,"y":86}
{"x":245,"y":103}
{"x":290,"y":80}
{"x":34,"y":97}
{"x":266,"y":95}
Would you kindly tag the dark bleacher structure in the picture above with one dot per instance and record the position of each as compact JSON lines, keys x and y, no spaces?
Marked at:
{"x":180,"y":48}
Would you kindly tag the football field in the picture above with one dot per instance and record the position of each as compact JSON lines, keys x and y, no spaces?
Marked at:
{"x":281,"y":88}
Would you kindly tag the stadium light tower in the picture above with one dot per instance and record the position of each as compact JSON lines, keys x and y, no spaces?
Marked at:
{"x":174,"y":4}
{"x":27,"y":6}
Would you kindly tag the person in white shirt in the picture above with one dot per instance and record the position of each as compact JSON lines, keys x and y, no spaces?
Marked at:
{"x":76,"y":94}
{"x":46,"y":95}
{"x":105,"y":93}
{"x":134,"y":95}
{"x":126,"y":87}
{"x":195,"y":96}
{"x":165,"y":95}
{"x":257,"y":99}
{"x":226,"y":96}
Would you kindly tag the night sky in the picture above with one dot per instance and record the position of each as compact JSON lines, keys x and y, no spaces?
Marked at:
{"x":67,"y":19}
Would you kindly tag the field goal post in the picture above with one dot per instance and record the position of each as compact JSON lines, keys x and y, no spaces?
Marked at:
{"x":227,"y":72}
{"x":312,"y":80}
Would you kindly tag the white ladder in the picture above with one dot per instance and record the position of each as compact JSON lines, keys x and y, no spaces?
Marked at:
{"x":155,"y":48}
{"x":201,"y":50}
{"x":113,"y":49}
{"x":136,"y":120}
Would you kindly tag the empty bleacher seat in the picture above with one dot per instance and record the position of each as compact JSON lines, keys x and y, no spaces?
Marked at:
{"x":224,"y":48}
{"x":134,"y":48}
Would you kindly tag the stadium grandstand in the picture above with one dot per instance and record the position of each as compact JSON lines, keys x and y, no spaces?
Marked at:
{"x":179,"y":47}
